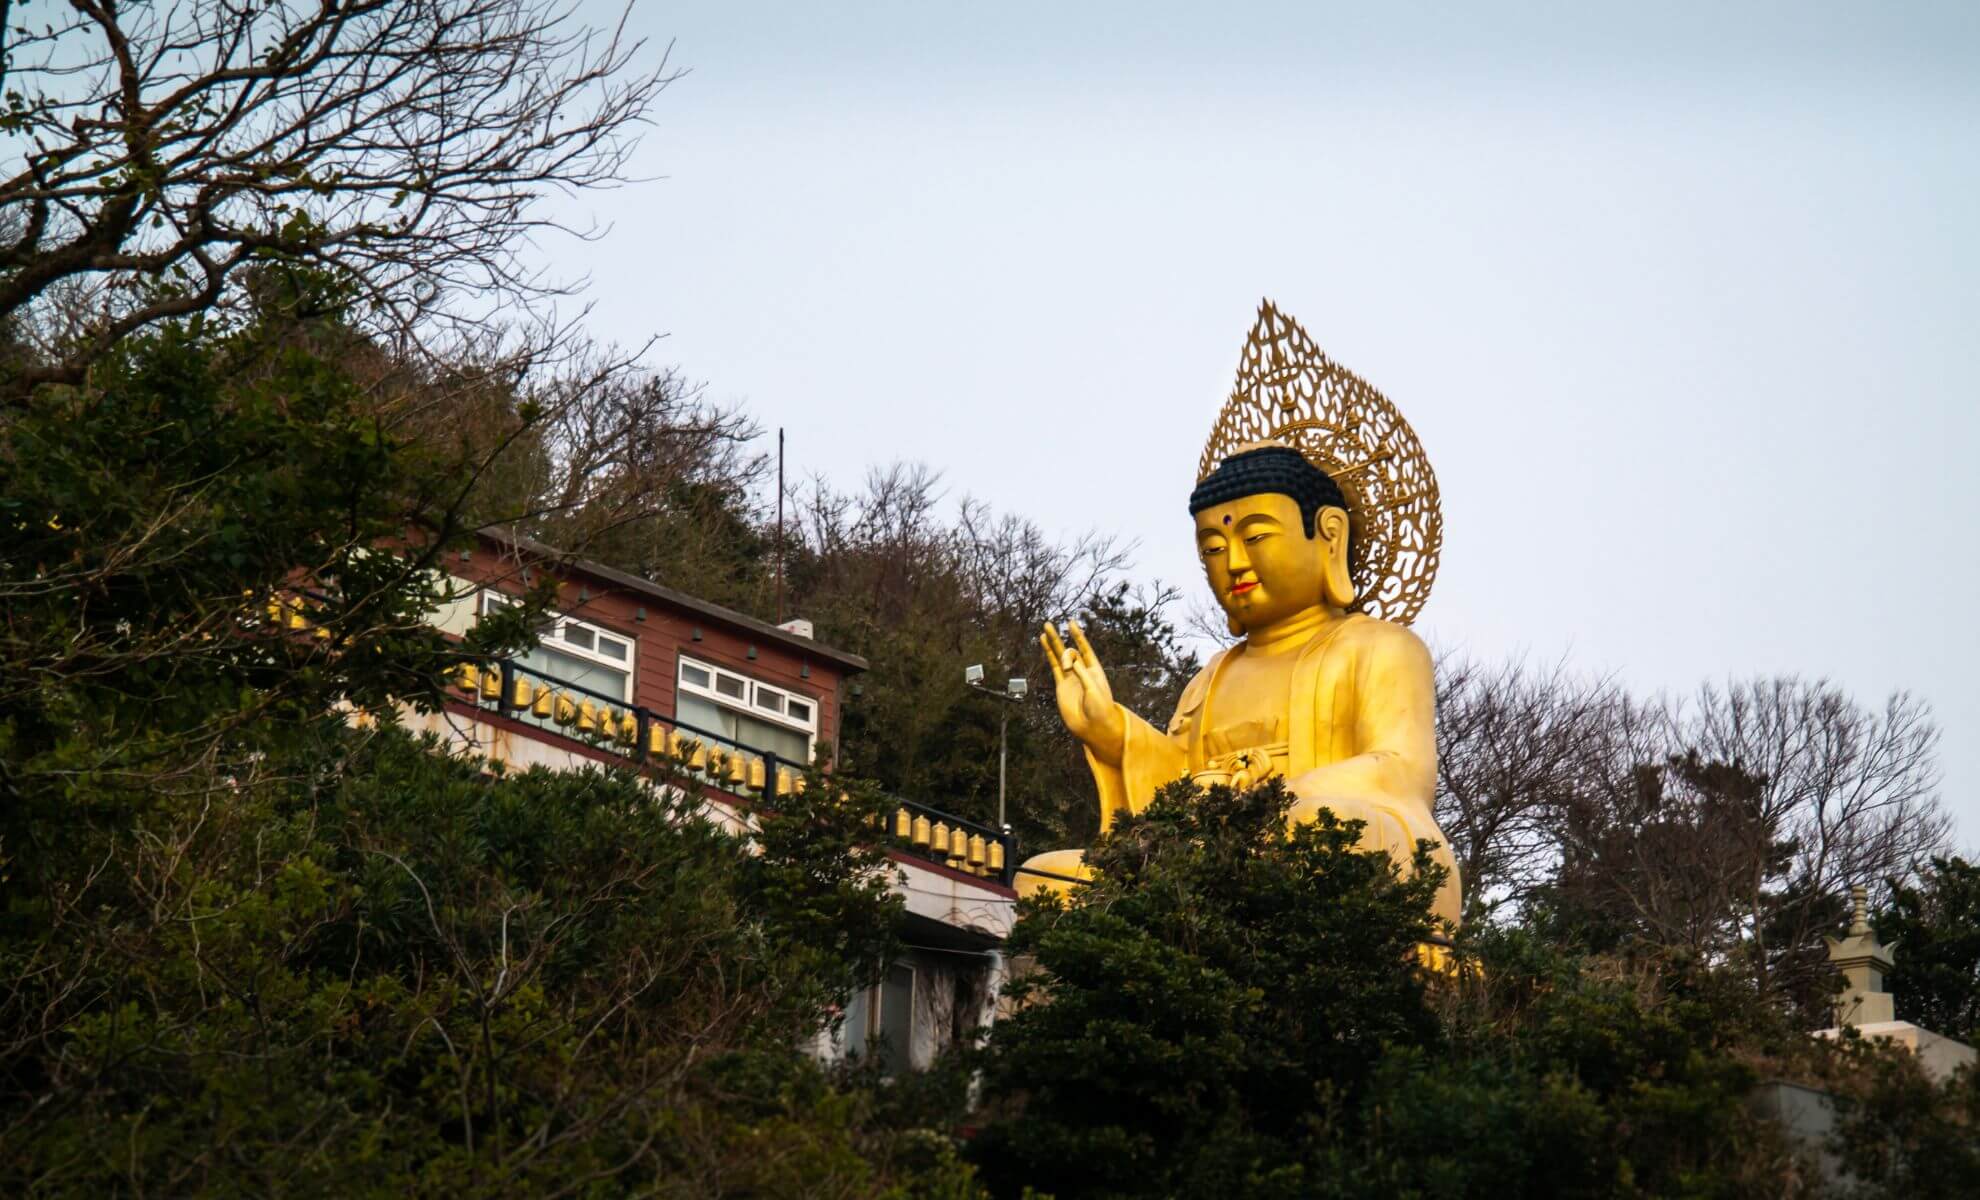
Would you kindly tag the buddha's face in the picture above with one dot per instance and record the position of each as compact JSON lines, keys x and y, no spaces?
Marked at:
{"x":1259,"y":561}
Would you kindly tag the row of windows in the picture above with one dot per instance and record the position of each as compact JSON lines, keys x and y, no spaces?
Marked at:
{"x":709,"y":698}
{"x":726,"y":686}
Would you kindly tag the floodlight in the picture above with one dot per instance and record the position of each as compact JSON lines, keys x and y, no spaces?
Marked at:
{"x":973,"y":673}
{"x":1018,"y":687}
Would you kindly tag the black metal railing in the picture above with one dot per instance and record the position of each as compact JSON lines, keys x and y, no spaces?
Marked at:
{"x":955,"y":842}
{"x":636,"y":732}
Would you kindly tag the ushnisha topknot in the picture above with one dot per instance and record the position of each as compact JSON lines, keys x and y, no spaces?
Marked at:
{"x":1269,"y":471}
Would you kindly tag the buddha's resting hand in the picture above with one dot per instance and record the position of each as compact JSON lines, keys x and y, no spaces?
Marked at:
{"x":1086,"y":703}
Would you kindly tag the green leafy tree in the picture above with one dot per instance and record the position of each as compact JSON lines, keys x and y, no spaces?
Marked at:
{"x":1900,"y":1134}
{"x":248,"y":949}
{"x":1234,"y":1008}
{"x":1935,"y":923}
{"x":1201,"y":1015}
{"x":373,"y":968}
{"x":1561,"y":1075}
{"x":150,"y":519}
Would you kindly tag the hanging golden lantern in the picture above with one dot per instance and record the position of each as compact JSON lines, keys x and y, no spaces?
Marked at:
{"x":738,"y":768}
{"x":697,"y":756}
{"x":491,"y":683}
{"x":976,"y":850}
{"x":903,"y":824}
{"x":923,"y":834}
{"x":939,"y":842}
{"x":545,"y":701}
{"x":994,"y":860}
{"x":467,"y":677}
{"x":520,"y":693}
{"x":656,"y":739}
{"x":566,"y":709}
{"x":757,"y":772}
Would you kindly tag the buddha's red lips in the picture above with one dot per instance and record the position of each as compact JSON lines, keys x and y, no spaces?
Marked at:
{"x":1239,"y":589}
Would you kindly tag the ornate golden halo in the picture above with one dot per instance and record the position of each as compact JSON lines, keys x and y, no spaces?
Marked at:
{"x":1288,"y":393}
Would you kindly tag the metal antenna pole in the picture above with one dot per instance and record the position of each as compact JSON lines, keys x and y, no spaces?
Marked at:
{"x":780,"y":524}
{"x":1003,"y":723}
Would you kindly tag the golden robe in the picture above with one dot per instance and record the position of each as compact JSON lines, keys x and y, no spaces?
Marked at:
{"x":1359,"y":737}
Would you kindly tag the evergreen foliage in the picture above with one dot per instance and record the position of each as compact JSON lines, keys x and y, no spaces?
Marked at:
{"x":377,"y":969}
{"x":1901,"y":1135}
{"x":248,"y":946}
{"x":1233,"y":1008}
{"x":1935,"y":924}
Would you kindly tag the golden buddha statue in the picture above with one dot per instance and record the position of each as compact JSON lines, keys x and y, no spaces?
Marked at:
{"x":1318,"y":529}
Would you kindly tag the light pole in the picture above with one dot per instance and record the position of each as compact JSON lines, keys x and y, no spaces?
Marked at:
{"x":1014,"y":691}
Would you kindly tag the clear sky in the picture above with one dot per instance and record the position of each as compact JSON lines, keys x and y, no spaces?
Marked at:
{"x":1681,"y":298}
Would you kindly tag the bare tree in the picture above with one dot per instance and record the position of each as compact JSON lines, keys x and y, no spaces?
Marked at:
{"x":924,"y":586}
{"x":158,"y":153}
{"x":1727,"y":825}
{"x":1850,"y":794}
{"x":1514,"y":743}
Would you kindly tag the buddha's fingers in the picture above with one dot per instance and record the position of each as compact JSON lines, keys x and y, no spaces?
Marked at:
{"x":1086,"y":653}
{"x":1087,"y":665}
{"x":1055,"y":650}
{"x":1052,"y":657}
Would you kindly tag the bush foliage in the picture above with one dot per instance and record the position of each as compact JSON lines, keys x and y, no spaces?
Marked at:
{"x":1234,"y":1008}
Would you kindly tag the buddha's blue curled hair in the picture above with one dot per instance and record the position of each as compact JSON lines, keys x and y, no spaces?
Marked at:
{"x":1266,"y":471}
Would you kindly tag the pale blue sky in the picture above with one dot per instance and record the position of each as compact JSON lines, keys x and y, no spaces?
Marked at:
{"x":1679,"y":297}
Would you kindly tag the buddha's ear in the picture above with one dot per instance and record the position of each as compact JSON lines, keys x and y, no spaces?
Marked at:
{"x":1330,"y":528}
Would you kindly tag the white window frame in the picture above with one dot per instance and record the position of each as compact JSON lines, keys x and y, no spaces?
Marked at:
{"x":748,"y":704}
{"x":552,"y":634}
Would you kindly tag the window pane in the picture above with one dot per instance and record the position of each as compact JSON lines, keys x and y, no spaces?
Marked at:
{"x":858,"y":1029}
{"x":897,"y":1019}
{"x":767,"y":699}
{"x":568,"y":668}
{"x":790,"y":745}
{"x":731,"y":685}
{"x":694,"y":675}
{"x":705,"y":716}
{"x":800,"y":709}
{"x":611,"y":647}
{"x":577,"y":636}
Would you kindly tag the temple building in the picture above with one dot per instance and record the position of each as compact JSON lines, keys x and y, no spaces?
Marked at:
{"x":635,"y":674}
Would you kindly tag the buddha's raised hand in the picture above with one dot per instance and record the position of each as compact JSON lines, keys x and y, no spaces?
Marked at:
{"x":1086,"y":703}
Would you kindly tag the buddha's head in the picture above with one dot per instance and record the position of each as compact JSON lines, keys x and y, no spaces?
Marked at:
{"x":1272,"y":533}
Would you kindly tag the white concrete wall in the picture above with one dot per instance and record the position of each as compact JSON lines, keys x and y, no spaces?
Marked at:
{"x":1941,"y":1056}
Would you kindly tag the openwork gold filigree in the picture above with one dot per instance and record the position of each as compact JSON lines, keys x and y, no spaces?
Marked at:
{"x":1289,"y":393}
